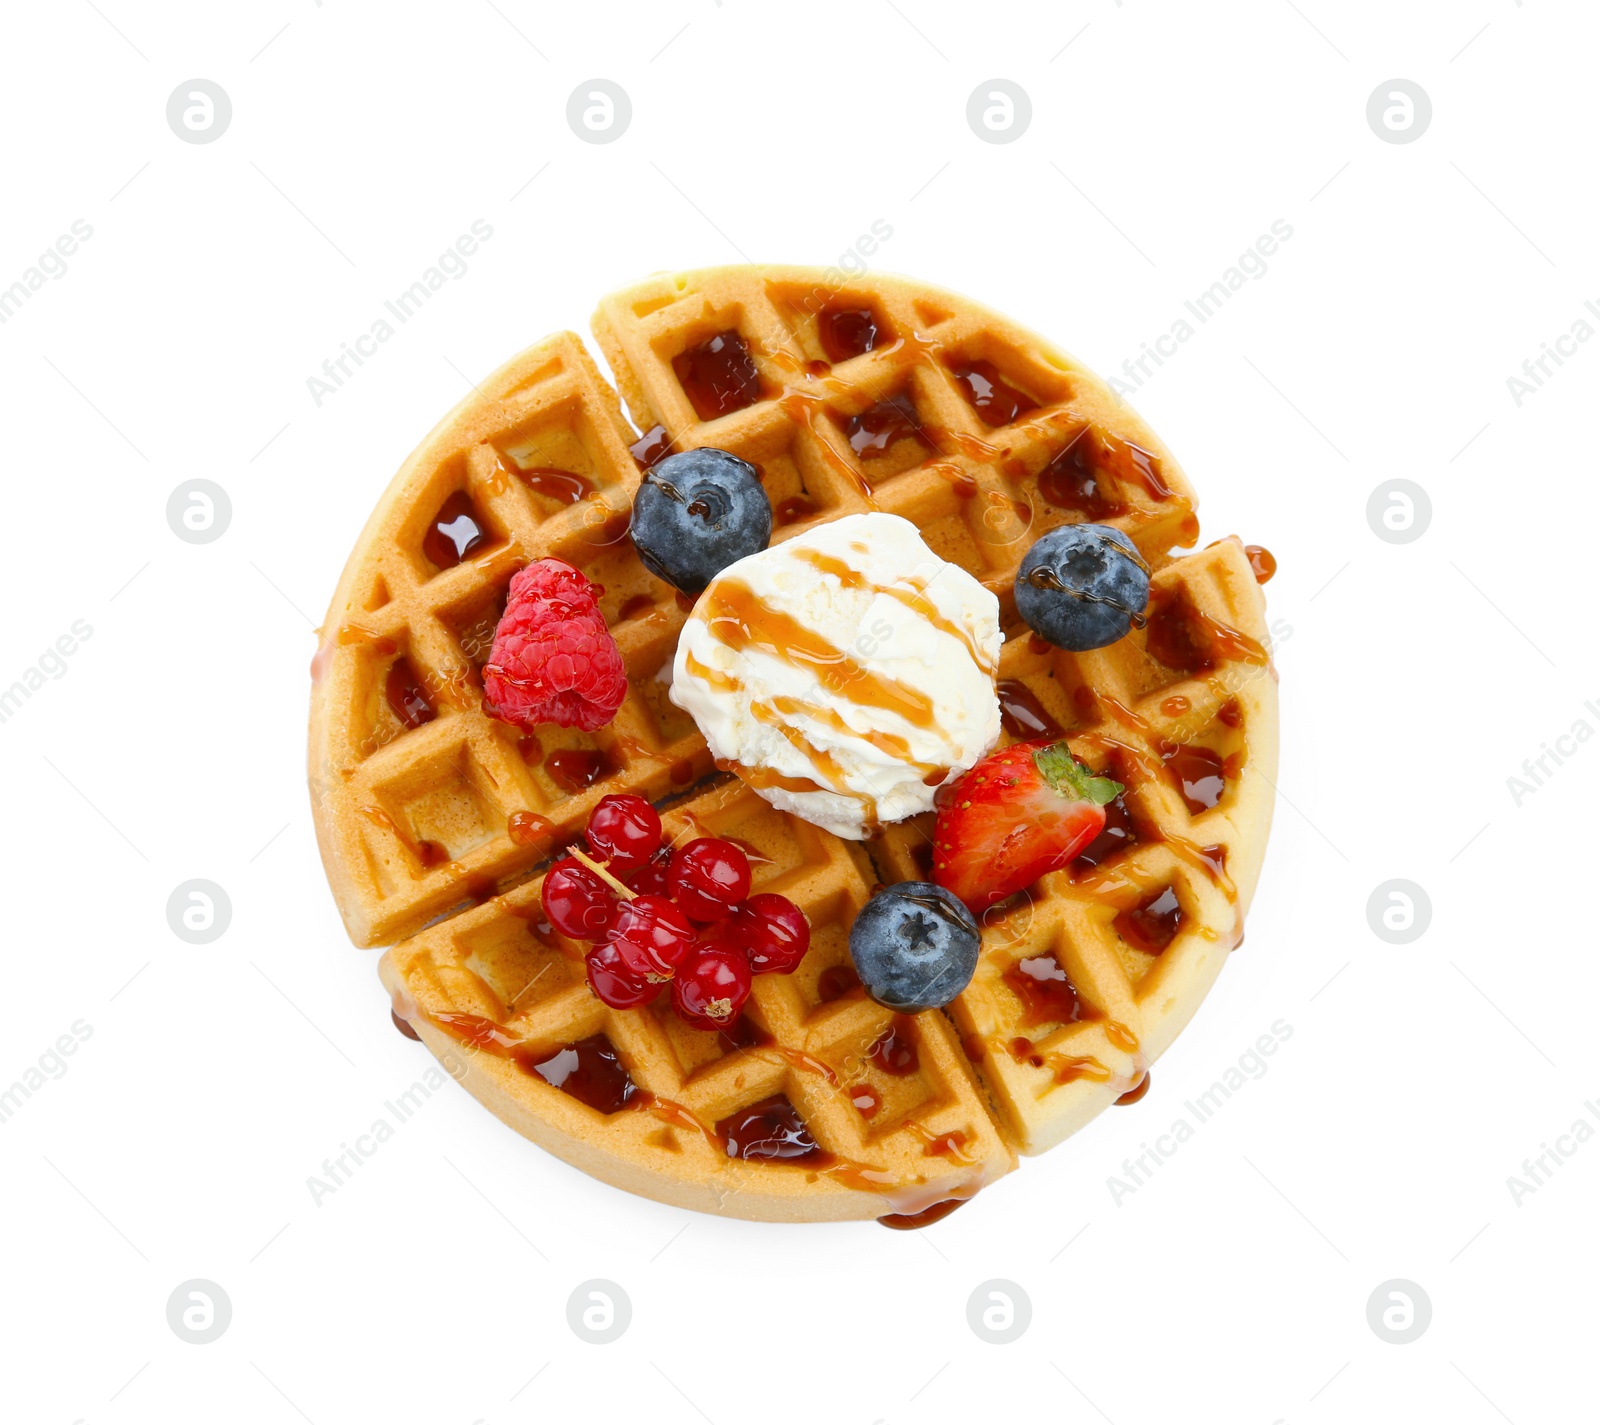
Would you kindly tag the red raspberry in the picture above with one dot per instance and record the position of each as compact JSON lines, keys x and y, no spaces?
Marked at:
{"x":553,"y":659}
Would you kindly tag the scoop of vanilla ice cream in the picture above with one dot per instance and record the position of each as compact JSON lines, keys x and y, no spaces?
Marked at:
{"x":845,"y":674}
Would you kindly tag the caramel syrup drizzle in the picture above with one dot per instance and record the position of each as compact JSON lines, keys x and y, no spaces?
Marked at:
{"x":759,"y":778}
{"x":798,"y":1059}
{"x":715,"y":677}
{"x":1151,"y":767}
{"x":490,"y":1036}
{"x":824,"y":761}
{"x":738,"y":619}
{"x":887,"y":742}
{"x":951,"y":1144}
{"x":1066,"y":1068}
{"x":914,"y":598}
{"x":428,"y":853}
{"x":770,"y":713}
{"x":675,"y":1114}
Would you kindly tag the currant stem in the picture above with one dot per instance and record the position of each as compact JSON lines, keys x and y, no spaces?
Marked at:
{"x":624,"y":891}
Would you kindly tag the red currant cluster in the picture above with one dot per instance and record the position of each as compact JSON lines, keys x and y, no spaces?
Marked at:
{"x":656,"y":915}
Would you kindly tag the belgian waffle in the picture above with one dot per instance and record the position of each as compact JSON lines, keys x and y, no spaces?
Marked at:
{"x":436,"y":822}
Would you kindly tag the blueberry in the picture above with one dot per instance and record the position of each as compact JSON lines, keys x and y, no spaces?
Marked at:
{"x":696,"y":513}
{"x":915,"y":946}
{"x":1082,"y":585}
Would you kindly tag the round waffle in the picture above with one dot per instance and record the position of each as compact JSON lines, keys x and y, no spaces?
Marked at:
{"x":436,"y":822}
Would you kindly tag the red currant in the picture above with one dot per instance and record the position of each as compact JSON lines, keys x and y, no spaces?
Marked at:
{"x":624,"y":831}
{"x":773,"y":931}
{"x":577,"y":901}
{"x":711,"y":987}
{"x":651,"y":935}
{"x":653,"y":878}
{"x":709,"y":877}
{"x":614,"y":983}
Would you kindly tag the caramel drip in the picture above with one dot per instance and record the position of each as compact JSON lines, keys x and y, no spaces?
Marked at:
{"x":723,"y":682}
{"x":844,"y":468}
{"x":827,"y":384}
{"x":1225,"y":692}
{"x":758,"y":778}
{"x":914,"y":598}
{"x":429,"y":853}
{"x":777,"y":711}
{"x":354,"y":633}
{"x":1119,"y":1036}
{"x":908,"y":1198}
{"x":822,"y":761}
{"x":860,"y":1177}
{"x":1067,"y":1068}
{"x":739,"y":620}
{"x":887,"y":742}
{"x":1185,"y":850}
{"x":677,"y":1115}
{"x":1144,"y":465}
{"x":799,"y":1059}
{"x":1191,"y":641}
{"x":476,"y":1032}
{"x":986,"y":452}
{"x":1149,"y":766}
{"x":1227,"y":642}
{"x":1188,"y":852}
{"x":1120,"y":712}
{"x":945,"y":1145}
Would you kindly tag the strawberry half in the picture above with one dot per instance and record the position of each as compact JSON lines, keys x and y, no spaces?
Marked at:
{"x":1025,"y":810}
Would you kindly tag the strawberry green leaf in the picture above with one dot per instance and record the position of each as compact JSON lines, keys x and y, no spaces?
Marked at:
{"x":1071,"y":778}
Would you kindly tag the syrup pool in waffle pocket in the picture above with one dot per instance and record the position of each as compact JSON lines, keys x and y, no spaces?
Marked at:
{"x":438,"y":823}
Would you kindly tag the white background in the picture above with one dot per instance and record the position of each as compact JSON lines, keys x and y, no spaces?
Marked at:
{"x":1166,"y":137}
